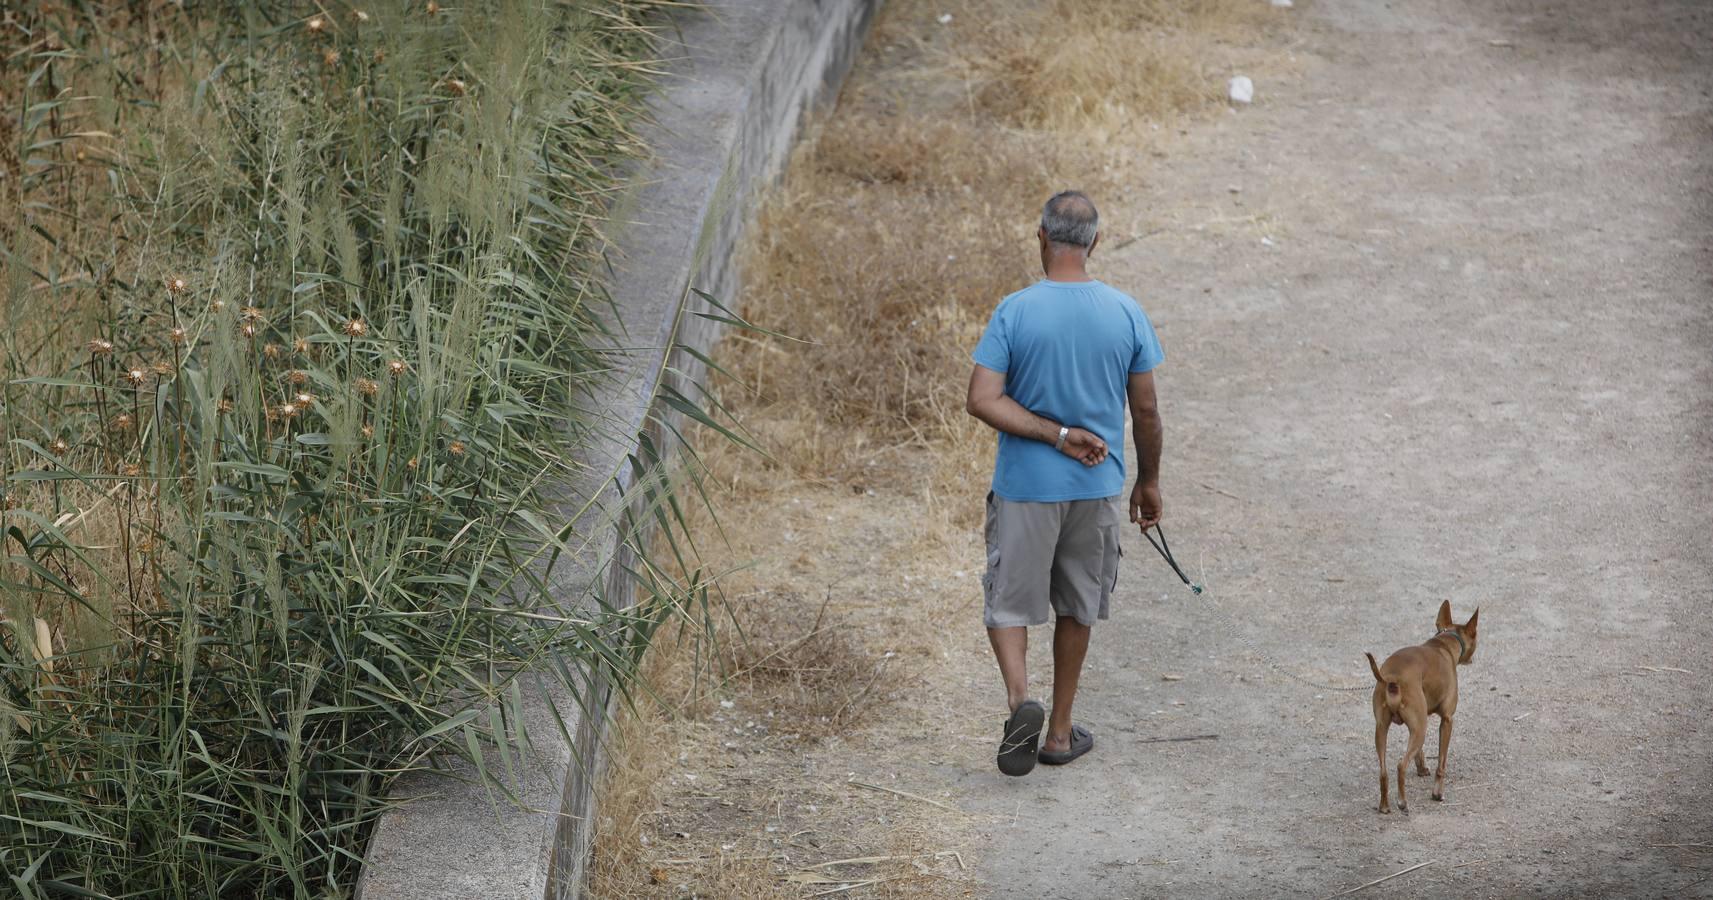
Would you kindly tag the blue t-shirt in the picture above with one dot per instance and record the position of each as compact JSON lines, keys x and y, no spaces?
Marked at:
{"x":1067,"y":349}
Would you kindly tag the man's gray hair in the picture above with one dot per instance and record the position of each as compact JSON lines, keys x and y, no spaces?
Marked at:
{"x":1070,"y":218}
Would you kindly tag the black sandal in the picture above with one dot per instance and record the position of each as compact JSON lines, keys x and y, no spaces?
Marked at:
{"x":1081,"y":742}
{"x":1022,"y":737}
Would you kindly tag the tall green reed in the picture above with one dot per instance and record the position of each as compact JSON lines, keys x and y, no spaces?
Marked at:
{"x":303,"y":323}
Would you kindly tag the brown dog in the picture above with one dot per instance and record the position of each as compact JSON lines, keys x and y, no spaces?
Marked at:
{"x":1414,"y":683}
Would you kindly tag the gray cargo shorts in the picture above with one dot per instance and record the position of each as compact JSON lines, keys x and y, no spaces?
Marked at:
{"x":1050,"y":558}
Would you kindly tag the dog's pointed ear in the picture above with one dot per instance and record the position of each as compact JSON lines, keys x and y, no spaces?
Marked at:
{"x":1469,"y":626}
{"x":1443,"y":620}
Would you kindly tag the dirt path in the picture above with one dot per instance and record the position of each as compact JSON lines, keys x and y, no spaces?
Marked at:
{"x":1473,"y":359}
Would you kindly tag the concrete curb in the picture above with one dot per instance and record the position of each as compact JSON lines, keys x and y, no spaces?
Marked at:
{"x":744,"y":72}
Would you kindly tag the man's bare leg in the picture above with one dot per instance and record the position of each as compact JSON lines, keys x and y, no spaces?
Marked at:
{"x":1070,"y":645}
{"x":1011,"y":649}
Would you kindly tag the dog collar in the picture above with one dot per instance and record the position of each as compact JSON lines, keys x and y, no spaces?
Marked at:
{"x":1461,"y":646}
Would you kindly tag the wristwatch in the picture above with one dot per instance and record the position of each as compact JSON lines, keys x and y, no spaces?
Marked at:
{"x":1063,"y":433}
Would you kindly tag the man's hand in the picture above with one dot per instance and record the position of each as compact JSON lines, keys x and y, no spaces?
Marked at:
{"x":1084,"y":446}
{"x":1145,"y":508}
{"x":988,"y":402}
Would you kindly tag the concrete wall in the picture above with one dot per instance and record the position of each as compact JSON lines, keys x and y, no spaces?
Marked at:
{"x":745,"y":72}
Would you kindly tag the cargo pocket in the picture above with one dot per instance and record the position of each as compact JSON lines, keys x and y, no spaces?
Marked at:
{"x":1112,"y":550}
{"x":1111,"y":553}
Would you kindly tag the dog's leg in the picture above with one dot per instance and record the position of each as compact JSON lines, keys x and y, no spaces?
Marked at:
{"x":1418,"y":734}
{"x":1403,"y":799}
{"x":1444,"y":747}
{"x":1380,"y":729}
{"x":1421,"y":762}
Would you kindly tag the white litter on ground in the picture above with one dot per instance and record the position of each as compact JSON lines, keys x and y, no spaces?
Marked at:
{"x":1242,"y":90}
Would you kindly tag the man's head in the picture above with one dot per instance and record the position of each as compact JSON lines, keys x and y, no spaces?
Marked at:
{"x":1070,"y":227}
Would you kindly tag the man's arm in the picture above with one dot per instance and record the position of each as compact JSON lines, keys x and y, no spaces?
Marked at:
{"x":988,"y":402}
{"x":1145,"y":506}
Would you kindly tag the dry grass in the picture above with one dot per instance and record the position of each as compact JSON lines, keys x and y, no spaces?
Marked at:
{"x":913,"y":211}
{"x":811,"y":671}
{"x":899,"y":226}
{"x":1106,"y":66}
{"x":735,"y":778}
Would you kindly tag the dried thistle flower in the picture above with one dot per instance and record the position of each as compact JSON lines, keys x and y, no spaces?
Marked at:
{"x":136,"y":377}
{"x":179,"y":337}
{"x":99,"y":347}
{"x":380,"y":57}
{"x":288,"y":410}
{"x":248,"y":329}
{"x":368,"y":431}
{"x":367,"y":387}
{"x":303,"y":398}
{"x":121,"y":422}
{"x":161,"y":369}
{"x":316,"y":25}
{"x":410,"y":464}
{"x":396,"y":367}
{"x":59,"y":447}
{"x":456,"y":448}
{"x":356,"y":328}
{"x":455,"y":87}
{"x":271,"y":350}
{"x":131,"y":470}
{"x":217,"y":306}
{"x":251,"y":313}
{"x":299,"y":346}
{"x":360,"y":16}
{"x":177,"y":285}
{"x":296,"y":377}
{"x":330,"y":57}
{"x":433,"y":8}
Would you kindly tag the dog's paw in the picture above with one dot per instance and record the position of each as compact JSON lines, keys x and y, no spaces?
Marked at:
{"x":1423,"y":772}
{"x":1385,"y":810}
{"x":1437,"y":795}
{"x":1403,"y":809}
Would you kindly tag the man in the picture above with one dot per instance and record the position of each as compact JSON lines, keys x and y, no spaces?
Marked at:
{"x":1052,"y":373}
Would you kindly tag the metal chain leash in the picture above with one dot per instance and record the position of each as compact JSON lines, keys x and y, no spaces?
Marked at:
{"x":1230,"y":627}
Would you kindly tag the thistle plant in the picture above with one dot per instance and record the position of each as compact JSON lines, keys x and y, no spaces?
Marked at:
{"x":301,"y":330}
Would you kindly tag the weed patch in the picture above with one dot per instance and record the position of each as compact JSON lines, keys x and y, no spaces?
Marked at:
{"x":302,"y":318}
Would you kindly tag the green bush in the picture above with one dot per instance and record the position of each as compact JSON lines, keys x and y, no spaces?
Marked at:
{"x":302,"y":321}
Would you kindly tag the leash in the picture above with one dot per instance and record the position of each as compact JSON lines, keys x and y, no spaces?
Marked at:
{"x":1165,"y":551}
{"x":1225,"y":619}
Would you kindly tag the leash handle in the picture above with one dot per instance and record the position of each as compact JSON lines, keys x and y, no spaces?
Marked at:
{"x":1165,"y":551}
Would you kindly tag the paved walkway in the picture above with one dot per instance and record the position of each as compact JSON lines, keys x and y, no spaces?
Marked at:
{"x":1475,"y":362}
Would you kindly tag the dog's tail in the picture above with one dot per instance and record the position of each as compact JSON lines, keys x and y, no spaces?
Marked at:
{"x":1392,"y":695}
{"x":1374,"y":667}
